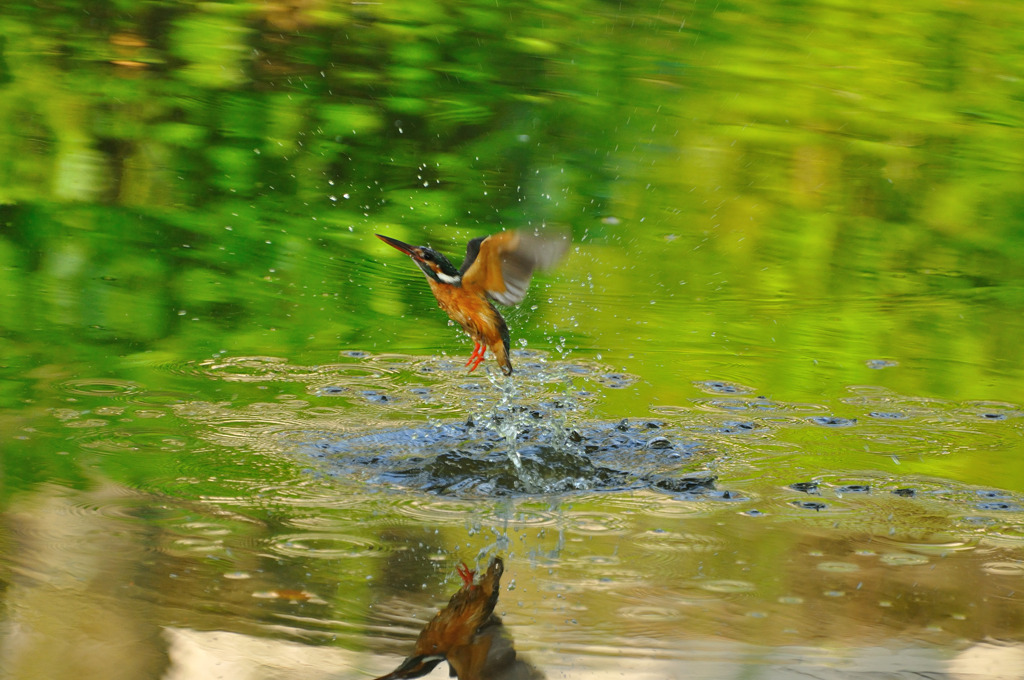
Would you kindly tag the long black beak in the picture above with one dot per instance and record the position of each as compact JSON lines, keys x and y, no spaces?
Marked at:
{"x":395,"y":243}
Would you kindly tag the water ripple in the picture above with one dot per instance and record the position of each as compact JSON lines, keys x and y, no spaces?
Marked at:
{"x":99,"y":387}
{"x":324,"y":545}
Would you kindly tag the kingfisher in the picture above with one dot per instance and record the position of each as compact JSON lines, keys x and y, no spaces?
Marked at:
{"x":451,"y":631}
{"x":469,"y":636}
{"x":497,"y":268}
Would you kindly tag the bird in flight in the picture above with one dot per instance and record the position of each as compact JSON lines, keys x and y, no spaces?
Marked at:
{"x":497,"y":268}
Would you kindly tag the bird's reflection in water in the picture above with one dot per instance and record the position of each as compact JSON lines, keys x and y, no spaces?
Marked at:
{"x":469,"y":636}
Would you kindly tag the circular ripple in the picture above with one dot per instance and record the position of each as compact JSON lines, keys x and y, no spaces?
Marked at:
{"x":833,"y":421}
{"x":85,"y":424}
{"x":903,"y":559}
{"x":760,"y":405}
{"x":276,"y":369}
{"x":519,"y":518}
{"x":325,"y":546}
{"x":434,"y":510}
{"x":1001,"y":506}
{"x":107,"y":440}
{"x":1005,"y":568}
{"x":678,"y":542}
{"x":99,"y":387}
{"x":112,"y":502}
{"x":993,"y":410}
{"x":647,"y":613}
{"x":727,"y":586}
{"x":722,"y":387}
{"x":594,"y":523}
{"x":616,"y":381}
{"x":888,"y":415}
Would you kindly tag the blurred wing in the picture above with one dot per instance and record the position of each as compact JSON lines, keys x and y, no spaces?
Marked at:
{"x":505,"y":262}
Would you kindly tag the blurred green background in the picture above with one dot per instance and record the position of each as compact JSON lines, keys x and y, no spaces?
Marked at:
{"x":820,"y":200}
{"x":837,"y":181}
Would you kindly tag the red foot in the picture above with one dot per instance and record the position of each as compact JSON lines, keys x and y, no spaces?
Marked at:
{"x":466,"y":573}
{"x":476,"y":357}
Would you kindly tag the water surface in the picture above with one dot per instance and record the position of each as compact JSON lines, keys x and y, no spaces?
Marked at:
{"x":768,"y":410}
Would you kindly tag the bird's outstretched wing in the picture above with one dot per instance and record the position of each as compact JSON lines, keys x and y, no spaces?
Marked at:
{"x":501,"y":264}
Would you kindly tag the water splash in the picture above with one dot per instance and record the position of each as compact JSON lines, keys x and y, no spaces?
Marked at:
{"x":505,"y":419}
{"x":526,"y":411}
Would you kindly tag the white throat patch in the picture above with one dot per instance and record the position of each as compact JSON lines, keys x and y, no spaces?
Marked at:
{"x":449,"y":279}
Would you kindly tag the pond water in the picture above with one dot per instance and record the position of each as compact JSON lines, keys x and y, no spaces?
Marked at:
{"x":766,"y":420}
